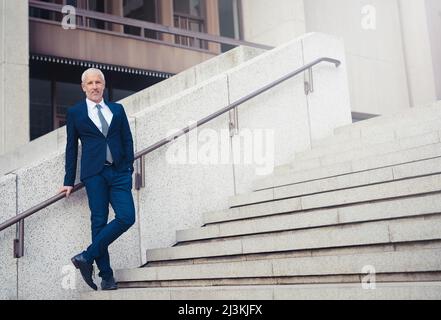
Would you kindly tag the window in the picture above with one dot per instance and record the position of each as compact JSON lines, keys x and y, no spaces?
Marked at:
{"x":229,"y":21}
{"x":47,"y":14}
{"x":145,"y":10}
{"x":190,"y":15}
{"x":98,"y":6}
{"x":188,"y":7}
{"x":40,"y":107}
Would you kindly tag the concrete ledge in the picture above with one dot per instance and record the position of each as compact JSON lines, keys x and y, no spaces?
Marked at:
{"x":384,"y":291}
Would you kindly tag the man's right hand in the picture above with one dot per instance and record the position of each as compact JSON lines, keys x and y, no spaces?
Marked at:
{"x":67,"y":189}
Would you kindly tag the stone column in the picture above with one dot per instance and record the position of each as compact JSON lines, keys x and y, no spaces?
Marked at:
{"x":418,"y":51}
{"x":115,"y":7}
{"x":166,"y":18}
{"x":212,"y":23}
{"x":14,"y":74}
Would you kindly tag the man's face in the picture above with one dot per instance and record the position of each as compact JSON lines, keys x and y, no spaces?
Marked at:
{"x":93,"y":86}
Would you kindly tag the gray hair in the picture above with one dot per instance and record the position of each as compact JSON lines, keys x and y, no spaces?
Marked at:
{"x":94,"y":71}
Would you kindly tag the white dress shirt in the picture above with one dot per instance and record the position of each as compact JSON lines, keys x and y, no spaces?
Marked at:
{"x":92,"y":111}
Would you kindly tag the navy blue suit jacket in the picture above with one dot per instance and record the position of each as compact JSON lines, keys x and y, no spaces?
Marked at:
{"x":93,"y":142}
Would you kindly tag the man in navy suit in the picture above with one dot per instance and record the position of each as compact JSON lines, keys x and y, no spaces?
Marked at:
{"x":106,"y":171}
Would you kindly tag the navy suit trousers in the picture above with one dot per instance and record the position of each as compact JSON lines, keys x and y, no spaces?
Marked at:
{"x":108,"y":187}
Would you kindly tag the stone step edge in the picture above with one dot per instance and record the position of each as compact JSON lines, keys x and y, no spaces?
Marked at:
{"x":353,"y":291}
{"x":182,"y":235}
{"x":312,"y":227}
{"x":269,"y":197}
{"x":229,"y":215}
{"x":314,"y":252}
{"x":270,"y":184}
{"x":403,"y":114}
{"x":372,"y":139}
{"x":393,"y":178}
{"x":375,"y":132}
{"x":235,"y":246}
{"x":402,"y":262}
{"x":287,"y":280}
{"x":369,"y":152}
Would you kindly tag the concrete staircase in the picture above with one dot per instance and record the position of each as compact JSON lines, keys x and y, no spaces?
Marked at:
{"x":361,"y":206}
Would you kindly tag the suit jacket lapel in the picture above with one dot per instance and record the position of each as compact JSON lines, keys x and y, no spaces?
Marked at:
{"x":114,"y":113}
{"x":92,"y":124}
{"x":88,"y":120}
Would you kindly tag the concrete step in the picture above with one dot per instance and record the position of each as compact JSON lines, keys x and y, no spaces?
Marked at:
{"x":351,"y":180}
{"x":398,"y":119}
{"x":387,"y":135}
{"x":413,"y":229}
{"x":352,"y":291}
{"x":258,"y":224}
{"x":307,"y":200}
{"x":360,"y":152}
{"x":374,"y":162}
{"x":419,"y":124}
{"x":379,"y":134}
{"x":350,"y":267}
{"x":341,"y":198}
{"x":294,"y":205}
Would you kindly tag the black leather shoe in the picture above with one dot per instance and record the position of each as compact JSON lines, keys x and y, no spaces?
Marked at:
{"x":108,"y":284}
{"x":86,"y":269}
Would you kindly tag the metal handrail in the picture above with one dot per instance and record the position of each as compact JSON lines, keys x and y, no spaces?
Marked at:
{"x":146,"y":25}
{"x":140,"y":155}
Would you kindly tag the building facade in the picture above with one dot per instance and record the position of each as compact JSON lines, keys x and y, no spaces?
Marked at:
{"x":392,"y":47}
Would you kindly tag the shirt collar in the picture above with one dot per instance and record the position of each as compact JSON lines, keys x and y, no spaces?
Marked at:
{"x":92,"y":105}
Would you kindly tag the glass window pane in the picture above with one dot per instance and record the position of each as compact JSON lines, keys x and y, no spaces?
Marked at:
{"x":181,"y":6}
{"x":144,"y":10}
{"x":40,"y":107}
{"x":67,"y":95}
{"x":195,"y":8}
{"x":98,"y":6}
{"x":191,"y":7}
{"x":228,"y":21}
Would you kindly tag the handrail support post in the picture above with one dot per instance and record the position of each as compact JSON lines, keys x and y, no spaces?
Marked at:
{"x":234,"y":122}
{"x":19,"y":240}
{"x":140,"y":173}
{"x":309,"y":82}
